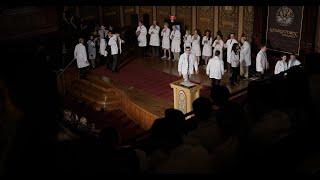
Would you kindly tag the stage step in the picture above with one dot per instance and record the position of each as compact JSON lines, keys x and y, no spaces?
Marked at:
{"x":96,"y":93}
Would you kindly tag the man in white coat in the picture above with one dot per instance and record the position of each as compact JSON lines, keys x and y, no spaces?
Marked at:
{"x":293,"y":61}
{"x":113,"y":43}
{"x":141,"y":33}
{"x":175,"y":43}
{"x":215,"y":68}
{"x":262,"y":62}
{"x":80,"y":54}
{"x":229,"y":45}
{"x":245,"y":58}
{"x":154,"y":31}
{"x":281,"y":65}
{"x":187,"y":64}
{"x":165,"y":33}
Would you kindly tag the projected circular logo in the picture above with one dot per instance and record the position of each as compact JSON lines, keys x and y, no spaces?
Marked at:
{"x":284,"y":16}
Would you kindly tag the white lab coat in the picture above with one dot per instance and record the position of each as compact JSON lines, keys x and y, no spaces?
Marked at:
{"x":154,"y":35}
{"x":165,"y":33}
{"x":184,"y":66}
{"x":196,"y":45}
{"x":102,"y":48}
{"x":218,"y":45}
{"x":280,"y":67}
{"x":91,"y":49}
{"x":215,"y":68}
{"x":229,"y":45}
{"x":113,"y":44}
{"x":176,"y":41}
{"x":245,"y":54}
{"x":142,"y":36}
{"x":207,"y":46}
{"x":234,"y":59}
{"x":293,"y":62}
{"x":261,"y":62}
{"x":80,"y":55}
{"x":187,"y":39}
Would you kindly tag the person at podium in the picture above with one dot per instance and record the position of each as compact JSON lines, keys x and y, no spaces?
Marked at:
{"x":187,"y":64}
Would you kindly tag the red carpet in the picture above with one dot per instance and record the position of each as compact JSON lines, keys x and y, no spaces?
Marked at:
{"x":148,"y":80}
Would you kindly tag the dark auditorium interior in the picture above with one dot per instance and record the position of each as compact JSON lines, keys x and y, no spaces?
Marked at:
{"x":128,"y":112}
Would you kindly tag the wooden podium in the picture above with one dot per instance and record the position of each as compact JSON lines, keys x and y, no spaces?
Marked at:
{"x":184,"y":96}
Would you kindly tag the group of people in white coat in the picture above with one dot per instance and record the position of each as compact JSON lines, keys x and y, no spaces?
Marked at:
{"x":282,"y":64}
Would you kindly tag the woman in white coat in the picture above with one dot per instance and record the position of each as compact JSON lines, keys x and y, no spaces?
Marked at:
{"x":262,"y":61}
{"x":175,"y":43}
{"x":218,"y":45}
{"x":80,"y":54}
{"x":245,"y":58}
{"x":165,"y":33}
{"x":281,"y":65}
{"x":215,"y":68}
{"x":154,"y":31}
{"x":196,"y":45}
{"x":141,"y":33}
{"x":235,"y":63}
{"x":187,"y":39}
{"x":229,"y":45}
{"x":207,"y":46}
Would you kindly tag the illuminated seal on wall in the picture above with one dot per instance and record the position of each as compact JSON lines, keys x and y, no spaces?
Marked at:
{"x":284,"y":16}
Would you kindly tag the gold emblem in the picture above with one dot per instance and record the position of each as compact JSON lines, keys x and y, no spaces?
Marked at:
{"x":285,"y":16}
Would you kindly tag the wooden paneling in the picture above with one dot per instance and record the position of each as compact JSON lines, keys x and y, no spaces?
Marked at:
{"x":127,"y":12}
{"x":111,"y":15}
{"x":163,"y":13}
{"x":146,"y":10}
{"x":89,"y":12}
{"x":205,"y":18}
{"x":184,"y":15}
{"x":248,"y":18}
{"x":228,"y":20}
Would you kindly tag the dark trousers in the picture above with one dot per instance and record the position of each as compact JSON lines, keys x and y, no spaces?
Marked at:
{"x":155,"y":51}
{"x":143,"y":51}
{"x":83,"y":72}
{"x":115,"y":62}
{"x":215,"y":81}
{"x":260,"y":75}
{"x":235,"y":73}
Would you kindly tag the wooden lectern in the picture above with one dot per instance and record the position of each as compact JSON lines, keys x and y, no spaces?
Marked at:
{"x":184,"y":96}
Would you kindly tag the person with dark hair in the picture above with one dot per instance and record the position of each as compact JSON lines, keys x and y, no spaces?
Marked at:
{"x":175,"y":37}
{"x":218,"y":45}
{"x":235,"y":63}
{"x":262,"y":61}
{"x":114,"y":44}
{"x":195,"y":47}
{"x":229,"y":45}
{"x":165,"y":33}
{"x":207,"y":46}
{"x":177,"y":118}
{"x":281,"y":65}
{"x":215,"y":69}
{"x":154,"y":31}
{"x":80,"y":54}
{"x":220,"y":96}
{"x":141,"y":33}
{"x":203,"y":130}
{"x":92,"y":51}
{"x":245,"y":58}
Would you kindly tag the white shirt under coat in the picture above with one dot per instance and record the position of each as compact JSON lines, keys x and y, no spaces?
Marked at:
{"x":215,"y":68}
{"x":184,"y":65}
{"x":154,"y":35}
{"x":261,"y":62}
{"x":245,"y":54}
{"x":229,"y":45}
{"x":113,"y":44}
{"x":80,"y":55}
{"x":176,"y":40}
{"x":280,"y":67}
{"x":142,"y":36}
{"x":207,"y":46}
{"x":218,"y":45}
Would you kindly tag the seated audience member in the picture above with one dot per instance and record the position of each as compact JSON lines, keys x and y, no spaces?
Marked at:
{"x":220,"y":96}
{"x":176,"y":117}
{"x":173,"y":156}
{"x":206,"y":132}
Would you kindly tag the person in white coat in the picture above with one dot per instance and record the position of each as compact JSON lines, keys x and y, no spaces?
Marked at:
{"x":175,"y":42}
{"x":165,"y":33}
{"x":207,"y":46}
{"x":235,"y":63}
{"x":187,"y":64}
{"x":293,"y":61}
{"x":113,"y":43}
{"x":196,"y":45}
{"x":245,"y":58}
{"x":91,"y":43}
{"x":187,"y":39}
{"x":215,"y":68}
{"x":154,"y":32}
{"x":229,"y":45}
{"x":218,"y":45}
{"x":262,"y":62}
{"x":141,"y":33}
{"x":281,"y":65}
{"x":80,"y":54}
{"x":102,"y":43}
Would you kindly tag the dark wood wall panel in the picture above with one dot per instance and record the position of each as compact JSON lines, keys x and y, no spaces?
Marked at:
{"x":205,"y":18}
{"x":228,"y":20}
{"x":111,"y":15}
{"x":162,"y":13}
{"x":184,"y":15}
{"x":127,"y":12}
